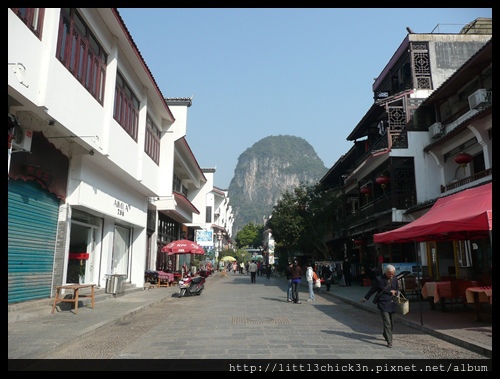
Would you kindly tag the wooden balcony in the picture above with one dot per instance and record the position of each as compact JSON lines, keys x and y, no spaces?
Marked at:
{"x":467,"y":180}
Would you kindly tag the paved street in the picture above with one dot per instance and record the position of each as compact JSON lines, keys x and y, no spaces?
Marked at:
{"x":235,"y":319}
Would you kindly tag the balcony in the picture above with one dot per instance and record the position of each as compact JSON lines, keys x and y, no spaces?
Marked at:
{"x":470,"y":179}
{"x":396,"y":139}
{"x":381,"y":205}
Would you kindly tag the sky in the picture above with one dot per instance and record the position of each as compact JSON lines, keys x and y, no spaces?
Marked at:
{"x":259,"y":72}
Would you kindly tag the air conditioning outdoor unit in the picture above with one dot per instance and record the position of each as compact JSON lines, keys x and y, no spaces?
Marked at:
{"x":436,"y":130}
{"x":22,"y":139}
{"x":479,"y":98}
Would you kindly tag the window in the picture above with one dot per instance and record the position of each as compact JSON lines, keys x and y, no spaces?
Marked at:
{"x":178,"y":187}
{"x":32,"y":17}
{"x":478,"y":163}
{"x":152,"y":142}
{"x":208,"y":214}
{"x":126,"y":111}
{"x":463,"y":253}
{"x":80,"y":52}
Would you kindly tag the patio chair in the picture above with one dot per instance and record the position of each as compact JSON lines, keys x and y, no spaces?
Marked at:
{"x":410,"y":286}
{"x":458,"y":288}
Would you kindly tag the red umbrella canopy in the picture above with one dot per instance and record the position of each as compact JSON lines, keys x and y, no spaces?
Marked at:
{"x":182,"y":247}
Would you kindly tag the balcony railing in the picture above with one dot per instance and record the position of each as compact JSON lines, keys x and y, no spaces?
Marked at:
{"x":396,"y":139}
{"x":380,"y":205}
{"x":467,"y":180}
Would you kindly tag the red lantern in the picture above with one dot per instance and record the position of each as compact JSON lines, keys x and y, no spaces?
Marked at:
{"x":383,"y":180}
{"x":366,"y":191}
{"x":463,"y":158}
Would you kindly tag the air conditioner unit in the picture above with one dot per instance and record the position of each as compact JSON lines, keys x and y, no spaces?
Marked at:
{"x":479,"y":98}
{"x":436,"y":130}
{"x":22,"y":139}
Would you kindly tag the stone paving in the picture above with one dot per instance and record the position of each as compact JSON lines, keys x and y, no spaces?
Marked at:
{"x":235,"y":319}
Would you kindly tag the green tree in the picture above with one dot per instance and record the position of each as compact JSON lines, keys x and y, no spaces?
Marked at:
{"x":250,"y":236}
{"x":319,"y":218}
{"x":303,"y":217}
{"x":285,"y":222}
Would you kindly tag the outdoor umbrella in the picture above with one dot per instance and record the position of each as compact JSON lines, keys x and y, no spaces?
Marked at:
{"x":228,"y":258}
{"x":182,"y":247}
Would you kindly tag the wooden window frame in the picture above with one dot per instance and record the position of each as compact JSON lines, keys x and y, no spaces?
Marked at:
{"x":152,"y":140}
{"x":126,"y":109}
{"x":85,"y":60}
{"x":33,"y":18}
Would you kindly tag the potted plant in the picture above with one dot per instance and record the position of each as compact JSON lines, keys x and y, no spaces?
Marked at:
{"x":81,"y":271}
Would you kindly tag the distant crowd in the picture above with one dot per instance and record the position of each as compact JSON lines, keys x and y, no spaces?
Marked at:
{"x":244,"y":268}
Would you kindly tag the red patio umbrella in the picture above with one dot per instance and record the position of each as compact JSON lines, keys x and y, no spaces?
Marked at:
{"x":182,"y":247}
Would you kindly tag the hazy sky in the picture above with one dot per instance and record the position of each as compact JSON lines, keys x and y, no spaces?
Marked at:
{"x":257,"y":72}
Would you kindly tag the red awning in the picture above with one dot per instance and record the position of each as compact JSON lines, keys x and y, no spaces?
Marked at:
{"x":185,"y":203}
{"x":462,"y":216}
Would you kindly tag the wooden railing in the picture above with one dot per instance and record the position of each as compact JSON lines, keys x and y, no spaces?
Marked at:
{"x":467,"y":180}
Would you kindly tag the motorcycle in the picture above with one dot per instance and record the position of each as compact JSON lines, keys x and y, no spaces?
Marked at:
{"x":192,"y":285}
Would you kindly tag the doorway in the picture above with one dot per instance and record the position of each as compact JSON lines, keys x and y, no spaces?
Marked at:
{"x":121,"y":250}
{"x":85,"y":237}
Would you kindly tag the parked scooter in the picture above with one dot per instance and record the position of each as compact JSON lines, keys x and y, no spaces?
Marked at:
{"x":192,"y":285}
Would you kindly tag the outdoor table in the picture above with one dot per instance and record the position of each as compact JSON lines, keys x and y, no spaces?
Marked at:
{"x":165,"y":279}
{"x":74,"y":299}
{"x":439,"y":292}
{"x":479,"y":295}
{"x":436,"y":291}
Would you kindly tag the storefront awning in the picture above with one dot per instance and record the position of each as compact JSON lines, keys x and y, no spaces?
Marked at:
{"x":462,"y":216}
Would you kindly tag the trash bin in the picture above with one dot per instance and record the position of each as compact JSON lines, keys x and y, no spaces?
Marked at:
{"x":114,"y":283}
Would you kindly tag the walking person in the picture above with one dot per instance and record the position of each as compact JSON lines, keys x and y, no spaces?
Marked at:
{"x":268,"y":271}
{"x":310,"y":281}
{"x":296,"y":277}
{"x":252,"y":268}
{"x":288,"y":274}
{"x":316,"y":282}
{"x":347,"y":272}
{"x":328,"y":276}
{"x":387,"y":286}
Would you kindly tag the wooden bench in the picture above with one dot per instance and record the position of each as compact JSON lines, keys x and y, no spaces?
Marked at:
{"x":76,"y":295}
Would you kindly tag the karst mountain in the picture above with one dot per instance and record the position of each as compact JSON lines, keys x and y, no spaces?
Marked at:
{"x":264,"y":171}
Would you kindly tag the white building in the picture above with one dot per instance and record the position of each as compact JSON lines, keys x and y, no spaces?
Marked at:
{"x":100,"y":173}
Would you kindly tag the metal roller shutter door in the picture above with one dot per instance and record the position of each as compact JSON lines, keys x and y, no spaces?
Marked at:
{"x":32,"y":226}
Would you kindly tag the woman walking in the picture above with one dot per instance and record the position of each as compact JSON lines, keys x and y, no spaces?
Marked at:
{"x":387,"y":286}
